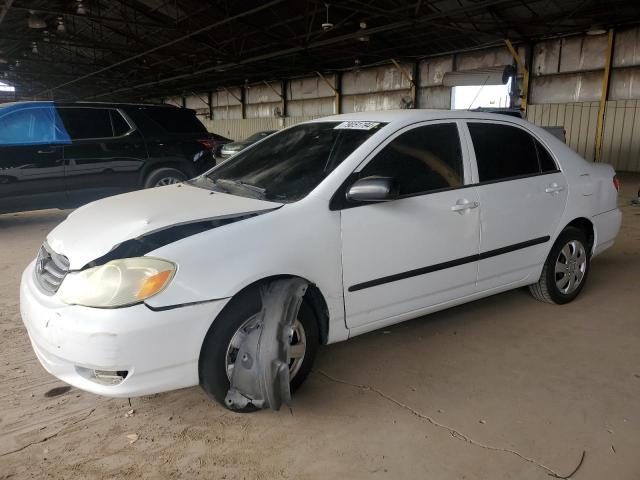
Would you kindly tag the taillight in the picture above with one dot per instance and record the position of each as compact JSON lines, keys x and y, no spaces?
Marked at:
{"x":208,"y":143}
{"x":616,"y":183}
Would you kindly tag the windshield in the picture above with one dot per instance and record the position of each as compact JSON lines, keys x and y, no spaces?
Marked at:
{"x":286,"y":166}
{"x":258,"y":136}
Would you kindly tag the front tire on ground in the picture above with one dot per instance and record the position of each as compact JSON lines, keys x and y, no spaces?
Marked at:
{"x":216,"y":357}
{"x":164,"y":176}
{"x":566,"y":269}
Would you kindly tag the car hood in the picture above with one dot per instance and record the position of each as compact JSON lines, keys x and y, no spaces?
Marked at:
{"x":97,"y":228}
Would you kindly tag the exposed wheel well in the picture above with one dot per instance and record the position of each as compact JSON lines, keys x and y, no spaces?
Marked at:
{"x":586,"y":226}
{"x":313,"y":296}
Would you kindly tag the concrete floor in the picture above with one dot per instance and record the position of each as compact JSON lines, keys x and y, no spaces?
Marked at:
{"x":501,"y":388}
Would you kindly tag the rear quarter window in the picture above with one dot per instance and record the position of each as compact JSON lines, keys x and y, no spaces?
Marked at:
{"x":176,"y":120}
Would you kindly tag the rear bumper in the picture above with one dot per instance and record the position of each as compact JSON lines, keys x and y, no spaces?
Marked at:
{"x":607,"y":226}
{"x":158,"y":349}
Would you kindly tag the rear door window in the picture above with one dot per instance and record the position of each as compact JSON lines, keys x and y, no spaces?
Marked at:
{"x":176,"y":120}
{"x":120,"y":125}
{"x":28,"y":126}
{"x":86,"y":123}
{"x":503,"y":151}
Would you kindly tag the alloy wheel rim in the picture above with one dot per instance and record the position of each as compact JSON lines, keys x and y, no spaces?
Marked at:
{"x":297,"y":345}
{"x":167,"y":181}
{"x":571,"y":267}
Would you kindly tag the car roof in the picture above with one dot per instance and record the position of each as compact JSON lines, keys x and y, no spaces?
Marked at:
{"x":408,"y":116}
{"x":62,"y":103}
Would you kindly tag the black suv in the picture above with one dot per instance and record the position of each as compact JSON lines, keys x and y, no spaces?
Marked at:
{"x":55,"y":154}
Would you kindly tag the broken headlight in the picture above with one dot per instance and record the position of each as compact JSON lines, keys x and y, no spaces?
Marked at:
{"x":118,"y":283}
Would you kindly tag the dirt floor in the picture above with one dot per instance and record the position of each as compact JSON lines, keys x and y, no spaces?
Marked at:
{"x":501,"y":388}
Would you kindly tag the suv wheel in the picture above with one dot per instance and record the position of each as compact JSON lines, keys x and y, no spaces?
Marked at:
{"x":164,"y":176}
{"x":566,"y":269}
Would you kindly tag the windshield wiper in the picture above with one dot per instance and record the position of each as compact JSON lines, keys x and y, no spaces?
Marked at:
{"x":227,"y":183}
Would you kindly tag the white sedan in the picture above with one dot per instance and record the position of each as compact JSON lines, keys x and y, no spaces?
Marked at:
{"x":323,"y":231}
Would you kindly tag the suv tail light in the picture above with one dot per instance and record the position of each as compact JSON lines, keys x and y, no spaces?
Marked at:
{"x":616,"y":183}
{"x":208,"y":143}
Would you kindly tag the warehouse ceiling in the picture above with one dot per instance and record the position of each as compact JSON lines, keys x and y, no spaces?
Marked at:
{"x":137,"y":49}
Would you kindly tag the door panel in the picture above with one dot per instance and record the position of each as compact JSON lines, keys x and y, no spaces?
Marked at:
{"x":400,"y":237}
{"x":421,"y":249}
{"x":31,"y":162}
{"x":522,"y":197}
{"x":512,"y":213}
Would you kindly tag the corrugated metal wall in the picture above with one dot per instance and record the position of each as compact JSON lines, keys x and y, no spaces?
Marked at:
{"x":238,"y":129}
{"x":565,"y":86}
{"x":621,"y":139}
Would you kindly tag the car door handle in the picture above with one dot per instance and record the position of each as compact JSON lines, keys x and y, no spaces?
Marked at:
{"x":553,"y":188}
{"x":44,"y":151}
{"x":463,"y":205}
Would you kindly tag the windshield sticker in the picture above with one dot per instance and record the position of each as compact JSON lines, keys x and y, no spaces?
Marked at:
{"x":356,"y":125}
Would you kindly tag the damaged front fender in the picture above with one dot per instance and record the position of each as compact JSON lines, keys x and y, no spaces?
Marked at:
{"x":261,"y":373}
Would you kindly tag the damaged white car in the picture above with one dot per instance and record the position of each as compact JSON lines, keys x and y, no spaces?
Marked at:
{"x":323,"y":231}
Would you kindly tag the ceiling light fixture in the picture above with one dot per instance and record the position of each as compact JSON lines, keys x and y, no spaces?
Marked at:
{"x":80,"y":9}
{"x":61,"y":28}
{"x":35,"y":21}
{"x":326,"y":26}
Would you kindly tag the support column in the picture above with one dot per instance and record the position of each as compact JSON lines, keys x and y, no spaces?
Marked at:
{"x":411,"y":80}
{"x":524,"y":71}
{"x":604,"y":95}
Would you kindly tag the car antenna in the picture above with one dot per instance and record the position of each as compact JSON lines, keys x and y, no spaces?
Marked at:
{"x":480,"y":90}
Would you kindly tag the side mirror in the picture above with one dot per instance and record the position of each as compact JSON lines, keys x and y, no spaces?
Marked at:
{"x":373,"y":189}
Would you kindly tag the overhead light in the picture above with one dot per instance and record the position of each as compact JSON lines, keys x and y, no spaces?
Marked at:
{"x":34,"y":48}
{"x":45,"y":35}
{"x":326,"y":26}
{"x":363,"y":38}
{"x":80,"y":9}
{"x":35,"y":21}
{"x":363,"y":25}
{"x":596,"y":30}
{"x":61,"y":28}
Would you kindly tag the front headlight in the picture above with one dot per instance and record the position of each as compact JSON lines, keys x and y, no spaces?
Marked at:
{"x":118,"y":283}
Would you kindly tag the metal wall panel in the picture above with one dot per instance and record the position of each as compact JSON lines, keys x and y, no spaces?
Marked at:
{"x":625,"y":84}
{"x":312,"y":107}
{"x":585,"y":52}
{"x":435,"y":97}
{"x":621,"y":138}
{"x":375,"y":101}
{"x":621,"y":141}
{"x":239,"y":129}
{"x":310,"y":88}
{"x":490,"y":57}
{"x":627,"y":49}
{"x":566,"y":88}
{"x":177,"y":101}
{"x":432,"y":70}
{"x":376,"y":79}
{"x":578,"y":119}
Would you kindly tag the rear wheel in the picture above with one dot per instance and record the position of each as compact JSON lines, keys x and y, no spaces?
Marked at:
{"x":221,"y":345}
{"x":164,"y":176}
{"x":565,"y":270}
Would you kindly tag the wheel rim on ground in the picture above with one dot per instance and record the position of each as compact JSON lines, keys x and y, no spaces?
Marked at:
{"x":571,"y":266}
{"x":167,"y":181}
{"x":297,"y":349}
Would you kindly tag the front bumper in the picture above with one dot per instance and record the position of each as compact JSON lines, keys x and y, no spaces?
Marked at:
{"x":159,"y":350}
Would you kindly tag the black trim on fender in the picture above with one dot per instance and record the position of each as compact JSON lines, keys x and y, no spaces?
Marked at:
{"x":139,"y":246}
{"x":449,"y":264}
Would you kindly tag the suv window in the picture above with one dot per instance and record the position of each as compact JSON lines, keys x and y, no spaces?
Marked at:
{"x":86,"y":123}
{"x":421,"y":160}
{"x":176,"y":120}
{"x":503,"y":151}
{"x":28,"y":126}
{"x":120,"y":125}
